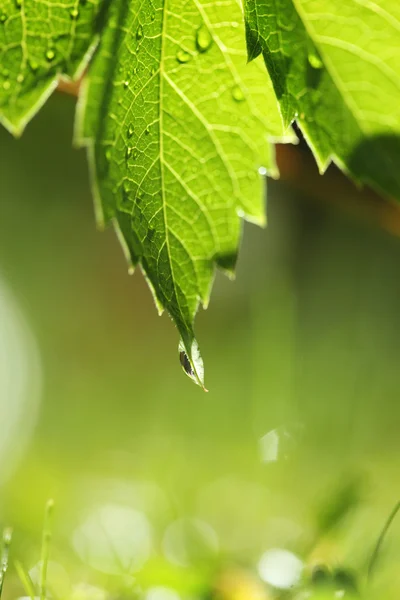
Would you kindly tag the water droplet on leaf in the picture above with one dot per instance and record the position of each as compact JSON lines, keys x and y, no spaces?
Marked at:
{"x":50,"y":54}
{"x":3,"y":18}
{"x":147,"y":131}
{"x":139,"y":32}
{"x":128,"y":152}
{"x":131,"y":129}
{"x":153,"y":16}
{"x":237,"y":94}
{"x":315,"y":61}
{"x":135,"y":155}
{"x":33,"y":65}
{"x":126,"y":83}
{"x":74,"y":13}
{"x":182,"y":56}
{"x":185,"y":362}
{"x":203,"y":39}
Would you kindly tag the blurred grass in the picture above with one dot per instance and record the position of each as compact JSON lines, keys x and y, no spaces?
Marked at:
{"x":304,"y":342}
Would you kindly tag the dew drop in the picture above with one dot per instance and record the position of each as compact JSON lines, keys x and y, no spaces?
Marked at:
{"x":130,"y":131}
{"x":6,"y":85}
{"x":139,"y":32}
{"x":74,"y":13}
{"x":50,"y":54}
{"x":203,"y":39}
{"x":135,"y":155}
{"x":185,"y":362}
{"x":182,"y":56}
{"x":147,"y":131}
{"x":237,"y":94}
{"x":20,"y":78}
{"x":126,"y":83}
{"x":3,"y":18}
{"x":153,"y":16}
{"x":128,"y":152}
{"x":139,"y":197}
{"x":262,"y":171}
{"x":315,"y":61}
{"x":33,"y":65}
{"x":153,"y":71}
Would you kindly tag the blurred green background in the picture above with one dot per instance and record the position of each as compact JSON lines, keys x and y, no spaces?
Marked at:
{"x":301,"y":355}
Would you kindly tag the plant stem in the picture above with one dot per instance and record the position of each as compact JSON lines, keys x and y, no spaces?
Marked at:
{"x":7,"y":534}
{"x":380,"y":540}
{"x":44,"y":557}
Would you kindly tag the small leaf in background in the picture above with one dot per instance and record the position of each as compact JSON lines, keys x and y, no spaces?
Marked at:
{"x":335,"y":67}
{"x":39,"y":41}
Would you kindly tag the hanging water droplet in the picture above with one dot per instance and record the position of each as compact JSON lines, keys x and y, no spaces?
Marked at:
{"x":135,"y":155}
{"x":6,"y":85}
{"x":50,"y":54}
{"x":126,"y":83}
{"x":128,"y":152}
{"x":139,"y":32}
{"x":262,"y":171}
{"x":20,"y":78}
{"x":237,"y":94}
{"x":185,"y":362}
{"x":182,"y":56}
{"x":3,"y":18}
{"x":130,"y":131}
{"x":74,"y":13}
{"x":33,"y":65}
{"x":147,"y":131}
{"x":203,"y":39}
{"x":315,"y":61}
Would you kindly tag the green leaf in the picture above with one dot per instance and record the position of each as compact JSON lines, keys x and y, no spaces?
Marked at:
{"x":39,"y":41}
{"x":177,"y":127}
{"x":335,"y":67}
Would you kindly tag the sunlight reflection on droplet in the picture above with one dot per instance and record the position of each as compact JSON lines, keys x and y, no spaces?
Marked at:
{"x":20,"y":378}
{"x":279,"y":443}
{"x":280,"y":568}
{"x":161,"y":593}
{"x":114,"y":539}
{"x":269,"y":446}
{"x":262,"y":171}
{"x":189,"y":541}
